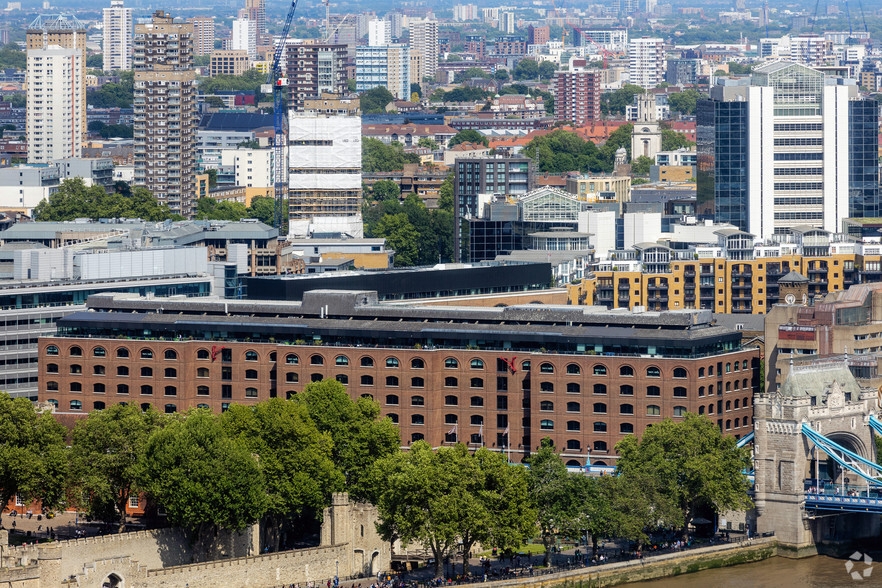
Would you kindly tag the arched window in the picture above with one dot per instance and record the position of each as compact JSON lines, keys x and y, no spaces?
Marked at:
{"x":145,"y":406}
{"x":736,"y":385}
{"x":737,"y":403}
{"x":700,"y":410}
{"x":700,"y":391}
{"x":546,"y":368}
{"x":701,"y":372}
{"x":317,"y":360}
{"x":417,"y":419}
{"x":201,"y":354}
{"x":680,"y":372}
{"x":526,"y":366}
{"x":546,"y":425}
{"x":600,"y":446}
{"x":122,"y":371}
{"x":573,"y":445}
{"x":728,"y":369}
{"x":292,"y":359}
{"x":202,"y":405}
{"x":146,"y":372}
{"x":414,"y":437}
{"x":573,"y":369}
{"x":653,"y":372}
{"x":653,"y":391}
{"x":122,"y":388}
{"x":272,"y":356}
{"x":250,"y":374}
{"x":476,"y":364}
{"x":316,"y":377}
{"x":75,"y":351}
{"x":573,"y":388}
{"x":451,"y":363}
{"x":251,"y":355}
{"x":626,"y":371}
{"x":476,"y":401}
{"x":600,"y":388}
{"x":76,"y":387}
{"x":476,"y":383}
{"x":626,"y":428}
{"x":367,"y":380}
{"x":98,"y":388}
{"x":574,"y":426}
{"x":99,"y":352}
{"x":736,"y":365}
{"x":342,"y":378}
{"x":171,"y":354}
{"x":393,"y":417}
{"x":170,"y":408}
{"x":171,"y":373}
{"x":626,"y":409}
{"x":367,"y":362}
{"x":451,"y":382}
{"x":600,"y":370}
{"x":392,"y":399}
{"x":450,"y":419}
{"x":98,"y":370}
{"x":710,"y":409}
{"x":392,"y":362}
{"x":98,"y":405}
{"x":202,"y":372}
{"x":146,"y":354}
{"x":653,"y":410}
{"x":250,"y":392}
{"x":52,"y":385}
{"x":737,"y":421}
{"x":679,"y":392}
{"x":52,"y":350}
{"x":728,"y":405}
{"x":53,"y":402}
{"x":599,"y":408}
{"x":626,"y":390}
{"x":392,"y":381}
{"x":573,"y":407}
{"x":146,"y":389}
{"x":171,"y":391}
{"x":417,"y":401}
{"x":76,"y":405}
{"x":417,"y":382}
{"x":341,"y":360}
{"x":417,"y":364}
{"x":476,"y":420}
{"x":599,"y":427}
{"x":292,"y":377}
{"x":202,"y":391}
{"x":744,"y":383}
{"x":546,"y":386}
{"x":744,"y":364}
{"x":546,"y":405}
{"x":728,"y":424}
{"x":76,"y":368}
{"x":728,"y":386}
{"x":679,"y":411}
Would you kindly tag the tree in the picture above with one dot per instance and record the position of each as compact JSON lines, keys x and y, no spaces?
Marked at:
{"x":428,"y":143}
{"x":215,"y":102}
{"x":691,"y":463}
{"x":460,"y":94}
{"x":739,"y":69}
{"x":416,"y":89}
{"x":468,"y":136}
{"x":672,"y":140}
{"x":95,"y":61}
{"x":11,"y":57}
{"x":547,"y":70}
{"x":641,"y":165}
{"x":17,"y":100}
{"x":526,"y":69}
{"x":74,"y":199}
{"x":250,"y":81}
{"x":376,"y":156}
{"x":386,"y":190}
{"x":115,"y":94}
{"x":563,"y":151}
{"x":204,"y":479}
{"x":263,"y":208}
{"x":400,"y":236}
{"x":212,"y":177}
{"x":551,"y":489}
{"x":248,"y":144}
{"x":617,"y":102}
{"x":467,"y":74}
{"x":294,"y":456}
{"x":684,"y":102}
{"x":501,"y":75}
{"x":360,"y":437}
{"x":621,"y":137}
{"x":211,"y":209}
{"x":375,"y":100}
{"x":106,"y":458}
{"x":33,"y":455}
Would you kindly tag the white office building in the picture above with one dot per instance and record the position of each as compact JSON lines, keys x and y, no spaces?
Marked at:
{"x":646,"y":62}
{"x":244,"y":37}
{"x":54,"y":108}
{"x":379,"y":32}
{"x":611,"y":40}
{"x":252,"y":168}
{"x":118,"y":33}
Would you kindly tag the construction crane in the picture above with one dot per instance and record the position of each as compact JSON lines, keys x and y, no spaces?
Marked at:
{"x":603,"y":50}
{"x":276,"y":82}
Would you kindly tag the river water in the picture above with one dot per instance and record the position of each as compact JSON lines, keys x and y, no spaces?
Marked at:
{"x":778,"y":572}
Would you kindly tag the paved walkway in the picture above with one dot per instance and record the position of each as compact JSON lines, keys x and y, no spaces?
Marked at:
{"x":66,"y":525}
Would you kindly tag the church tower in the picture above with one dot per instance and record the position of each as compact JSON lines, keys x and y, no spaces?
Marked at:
{"x":646,"y":140}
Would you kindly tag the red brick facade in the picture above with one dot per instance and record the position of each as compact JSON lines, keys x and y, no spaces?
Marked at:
{"x":585,"y":403}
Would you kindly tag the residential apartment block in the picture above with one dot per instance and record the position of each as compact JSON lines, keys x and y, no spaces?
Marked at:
{"x":424,"y":44}
{"x":387,"y":66}
{"x":229,"y":63}
{"x":646,"y":62}
{"x":576,"y":96}
{"x":203,"y":34}
{"x":118,"y":33}
{"x":314,"y":69}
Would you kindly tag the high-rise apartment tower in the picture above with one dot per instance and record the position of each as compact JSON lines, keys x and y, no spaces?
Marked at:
{"x":118,"y":32}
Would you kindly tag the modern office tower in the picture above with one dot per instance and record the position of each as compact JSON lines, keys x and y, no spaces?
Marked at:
{"x":477,"y":178}
{"x":379,"y":32}
{"x":257,"y":12}
{"x":118,"y":34}
{"x":229,"y":63}
{"x":424,"y":43}
{"x":203,"y":34}
{"x":787,"y":147}
{"x":577,"y":95}
{"x":646,"y":140}
{"x":647,"y":62}
{"x":313,"y":70}
{"x":165,"y":111}
{"x":615,"y":40}
{"x":244,"y":37}
{"x":683,"y":71}
{"x":54,"y":110}
{"x":538,"y":35}
{"x":464,"y":12}
{"x":387,"y":66}
{"x":56,"y":95}
{"x":325,"y":170}
{"x":507,"y":22}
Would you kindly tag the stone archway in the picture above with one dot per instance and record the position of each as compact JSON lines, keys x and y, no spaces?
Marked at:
{"x":113,"y":581}
{"x":375,"y":567}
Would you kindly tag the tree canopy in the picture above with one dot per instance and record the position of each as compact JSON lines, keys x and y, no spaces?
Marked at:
{"x":250,"y":81}
{"x":13,"y":57}
{"x":115,"y":94}
{"x":419,"y":236}
{"x":74,"y":199}
{"x":460,"y":94}
{"x":375,"y":100}
{"x":376,"y":156}
{"x":468,"y":136}
{"x":684,"y":102}
{"x":641,"y":165}
{"x":563,"y":151}
{"x":617,"y":102}
{"x":672,"y":140}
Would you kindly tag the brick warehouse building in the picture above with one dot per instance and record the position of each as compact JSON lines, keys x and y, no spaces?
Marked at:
{"x":585,"y":377}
